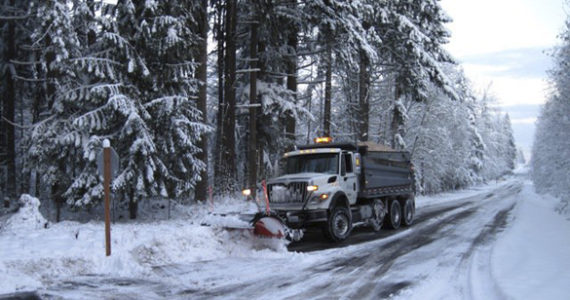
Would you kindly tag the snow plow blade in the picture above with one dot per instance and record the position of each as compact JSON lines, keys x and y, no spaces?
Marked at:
{"x":261,"y":224}
{"x":271,"y":226}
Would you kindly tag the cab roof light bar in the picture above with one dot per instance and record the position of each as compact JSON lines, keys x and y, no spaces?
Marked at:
{"x":323,"y":140}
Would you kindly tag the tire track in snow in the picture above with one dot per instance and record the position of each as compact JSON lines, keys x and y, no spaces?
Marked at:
{"x":381,"y":260}
{"x":440,"y":227}
{"x":477,"y":260}
{"x":314,"y":241}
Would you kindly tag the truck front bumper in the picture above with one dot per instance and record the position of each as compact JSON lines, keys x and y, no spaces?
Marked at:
{"x":302,"y":218}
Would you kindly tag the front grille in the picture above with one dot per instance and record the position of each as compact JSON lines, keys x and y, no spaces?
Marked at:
{"x":287,"y":193}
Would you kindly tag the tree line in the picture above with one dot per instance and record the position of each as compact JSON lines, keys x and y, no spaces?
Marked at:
{"x":551,"y":146}
{"x":199,"y":94}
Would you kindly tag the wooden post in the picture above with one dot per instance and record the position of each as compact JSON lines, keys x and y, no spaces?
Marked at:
{"x":107,"y":191}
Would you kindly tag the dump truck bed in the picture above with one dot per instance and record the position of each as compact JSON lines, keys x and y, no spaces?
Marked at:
{"x":385,"y":171}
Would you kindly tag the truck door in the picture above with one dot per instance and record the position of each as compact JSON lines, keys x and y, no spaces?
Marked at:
{"x":348,"y":177}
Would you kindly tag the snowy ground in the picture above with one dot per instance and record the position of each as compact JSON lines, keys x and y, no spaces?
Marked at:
{"x":496,"y":241}
{"x":33,"y":256}
{"x":532,"y":258}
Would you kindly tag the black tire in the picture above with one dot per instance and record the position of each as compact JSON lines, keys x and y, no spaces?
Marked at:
{"x":408,"y":211}
{"x":378,"y":215}
{"x":394,"y":215}
{"x":339,"y":224}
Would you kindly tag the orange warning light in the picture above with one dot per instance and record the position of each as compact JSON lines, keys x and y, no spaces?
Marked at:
{"x":323,"y":140}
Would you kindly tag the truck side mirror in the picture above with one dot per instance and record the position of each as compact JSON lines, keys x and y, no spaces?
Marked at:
{"x":357,"y":159}
{"x":343,"y":165}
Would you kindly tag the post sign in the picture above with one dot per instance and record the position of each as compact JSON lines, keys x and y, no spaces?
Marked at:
{"x":108,"y":167}
{"x":114,"y":163}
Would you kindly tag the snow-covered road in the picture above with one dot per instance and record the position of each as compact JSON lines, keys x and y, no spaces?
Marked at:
{"x":492,"y":242}
{"x":449,"y":240}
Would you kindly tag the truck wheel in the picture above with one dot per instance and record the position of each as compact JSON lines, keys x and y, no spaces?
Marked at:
{"x":378,"y":214}
{"x":394,"y":215}
{"x":408,"y":211}
{"x":339,"y":224}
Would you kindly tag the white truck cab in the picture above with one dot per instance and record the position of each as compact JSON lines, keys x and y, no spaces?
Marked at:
{"x":326,"y":172}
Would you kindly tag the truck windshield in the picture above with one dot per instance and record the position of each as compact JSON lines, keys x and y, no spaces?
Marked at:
{"x":312,"y":163}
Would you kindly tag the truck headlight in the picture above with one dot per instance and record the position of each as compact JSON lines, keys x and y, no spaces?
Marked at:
{"x":312,"y":188}
{"x":246,"y":192}
{"x":319,"y":198}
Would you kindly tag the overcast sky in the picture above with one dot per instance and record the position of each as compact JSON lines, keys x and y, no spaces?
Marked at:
{"x":504,"y":44}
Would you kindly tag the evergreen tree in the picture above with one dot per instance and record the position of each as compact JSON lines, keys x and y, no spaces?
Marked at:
{"x":134,"y":85}
{"x":414,"y":32}
{"x":449,"y":138}
{"x":50,"y":147}
{"x":343,"y":41}
{"x":510,"y":154}
{"x":551,"y":147}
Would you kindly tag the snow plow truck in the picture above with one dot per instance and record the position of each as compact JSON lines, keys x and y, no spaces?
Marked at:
{"x":337,"y":186}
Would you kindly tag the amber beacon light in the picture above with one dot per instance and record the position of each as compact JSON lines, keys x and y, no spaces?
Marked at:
{"x":323,"y":140}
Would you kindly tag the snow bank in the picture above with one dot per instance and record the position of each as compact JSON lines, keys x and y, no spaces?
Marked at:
{"x":28,"y":216}
{"x":452,"y":196}
{"x":35,"y":255}
{"x":224,"y":220}
{"x":532,"y":258}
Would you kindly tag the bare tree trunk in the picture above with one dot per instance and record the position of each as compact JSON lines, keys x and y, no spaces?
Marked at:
{"x":57,"y":190}
{"x":133,"y":205}
{"x":201,"y":190}
{"x":328,"y":93}
{"x":228,"y":160}
{"x":220,"y":36}
{"x":252,"y":138}
{"x":36,"y":111}
{"x":91,"y":34}
{"x":310,"y":102}
{"x":8,"y":110}
{"x":396,"y":126}
{"x":54,"y":190}
{"x":24,"y":178}
{"x":292,"y":42}
{"x":363,"y":99}
{"x":50,"y":97}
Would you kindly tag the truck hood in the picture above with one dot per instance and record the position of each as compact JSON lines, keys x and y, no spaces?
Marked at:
{"x":300,"y":177}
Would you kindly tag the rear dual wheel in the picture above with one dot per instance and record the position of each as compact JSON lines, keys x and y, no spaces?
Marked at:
{"x":401,"y":212}
{"x":408,"y":211}
{"x":394,"y":219}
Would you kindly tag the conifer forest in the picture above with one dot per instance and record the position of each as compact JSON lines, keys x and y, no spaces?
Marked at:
{"x":198,"y":96}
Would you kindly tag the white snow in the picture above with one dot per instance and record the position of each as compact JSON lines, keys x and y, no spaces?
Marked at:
{"x":530,"y":259}
{"x":27,"y":218}
{"x":33,"y":256}
{"x":452,"y":196}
